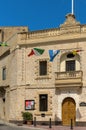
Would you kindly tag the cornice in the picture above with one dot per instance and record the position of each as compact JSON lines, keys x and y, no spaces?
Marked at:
{"x":54,"y":40}
{"x":70,"y":28}
{"x":63,"y":33}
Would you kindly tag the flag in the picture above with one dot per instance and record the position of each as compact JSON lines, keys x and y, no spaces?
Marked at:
{"x":3,"y":44}
{"x":36,"y":51}
{"x":75,"y":51}
{"x":31,"y":53}
{"x":53,"y":53}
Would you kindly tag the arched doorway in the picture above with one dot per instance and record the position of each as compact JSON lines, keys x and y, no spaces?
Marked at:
{"x":68,"y":111}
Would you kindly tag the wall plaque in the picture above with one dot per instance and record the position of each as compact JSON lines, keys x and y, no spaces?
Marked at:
{"x":43,"y":115}
{"x":82,"y":104}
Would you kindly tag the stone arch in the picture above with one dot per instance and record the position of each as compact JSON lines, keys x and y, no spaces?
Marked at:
{"x":64,"y":58}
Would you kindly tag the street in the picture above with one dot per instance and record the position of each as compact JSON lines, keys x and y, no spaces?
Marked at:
{"x":6,"y":127}
{"x":9,"y":126}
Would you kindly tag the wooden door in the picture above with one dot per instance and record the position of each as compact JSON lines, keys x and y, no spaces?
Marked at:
{"x":68,"y":111}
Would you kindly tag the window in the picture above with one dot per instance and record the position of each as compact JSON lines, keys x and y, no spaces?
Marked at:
{"x":43,"y":102}
{"x":4,"y":73}
{"x":70,"y":65}
{"x":43,"y":68}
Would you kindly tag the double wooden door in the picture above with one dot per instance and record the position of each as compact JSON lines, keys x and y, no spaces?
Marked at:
{"x":68,"y":111}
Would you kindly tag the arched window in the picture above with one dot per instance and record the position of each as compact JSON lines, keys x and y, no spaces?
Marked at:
{"x":69,"y":62}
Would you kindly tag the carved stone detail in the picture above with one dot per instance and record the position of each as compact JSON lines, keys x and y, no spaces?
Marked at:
{"x":70,"y":21}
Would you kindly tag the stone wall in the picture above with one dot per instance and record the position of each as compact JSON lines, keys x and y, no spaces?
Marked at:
{"x":23,"y":80}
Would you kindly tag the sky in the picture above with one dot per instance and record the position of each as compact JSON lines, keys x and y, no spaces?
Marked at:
{"x":40,"y":14}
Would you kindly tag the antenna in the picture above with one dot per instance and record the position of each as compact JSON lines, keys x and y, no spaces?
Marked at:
{"x":72,"y":6}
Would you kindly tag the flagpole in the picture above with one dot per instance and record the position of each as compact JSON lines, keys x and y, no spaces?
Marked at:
{"x":72,"y":6}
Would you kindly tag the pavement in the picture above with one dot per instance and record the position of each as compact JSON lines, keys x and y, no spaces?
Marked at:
{"x":54,"y":127}
{"x":43,"y":127}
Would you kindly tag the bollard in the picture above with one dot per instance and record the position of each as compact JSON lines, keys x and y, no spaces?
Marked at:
{"x":71,"y":125}
{"x":34,"y":121}
{"x":50,"y":123}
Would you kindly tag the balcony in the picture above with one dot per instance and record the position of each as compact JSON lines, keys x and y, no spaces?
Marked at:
{"x":68,"y":79}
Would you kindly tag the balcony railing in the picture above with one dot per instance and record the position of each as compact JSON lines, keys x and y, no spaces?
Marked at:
{"x":68,"y":74}
{"x":68,"y":78}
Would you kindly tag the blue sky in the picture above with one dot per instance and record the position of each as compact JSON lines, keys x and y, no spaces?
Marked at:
{"x":39,"y":14}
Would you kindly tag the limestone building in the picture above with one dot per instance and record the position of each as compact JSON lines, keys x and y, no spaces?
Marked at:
{"x":56,"y":89}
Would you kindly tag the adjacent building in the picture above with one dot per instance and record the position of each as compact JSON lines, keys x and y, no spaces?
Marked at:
{"x":49,"y":89}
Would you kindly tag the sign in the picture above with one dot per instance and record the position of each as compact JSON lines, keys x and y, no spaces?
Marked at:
{"x":43,"y":115}
{"x":29,"y":104}
{"x":82,"y":104}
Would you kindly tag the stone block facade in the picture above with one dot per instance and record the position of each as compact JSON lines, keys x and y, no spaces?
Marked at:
{"x":64,"y":88}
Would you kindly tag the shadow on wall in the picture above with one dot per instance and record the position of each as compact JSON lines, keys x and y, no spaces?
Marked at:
{"x":57,"y":120}
{"x":78,"y":114}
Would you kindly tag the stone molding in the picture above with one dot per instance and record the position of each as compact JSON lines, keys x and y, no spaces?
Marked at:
{"x":37,"y":76}
{"x":37,"y":112}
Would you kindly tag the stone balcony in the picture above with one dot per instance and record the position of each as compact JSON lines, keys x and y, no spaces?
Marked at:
{"x":68,"y":79}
